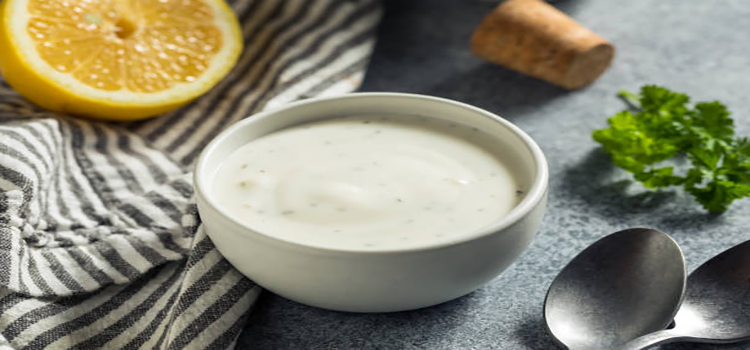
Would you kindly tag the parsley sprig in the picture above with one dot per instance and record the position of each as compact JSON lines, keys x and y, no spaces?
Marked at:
{"x":663,"y":125}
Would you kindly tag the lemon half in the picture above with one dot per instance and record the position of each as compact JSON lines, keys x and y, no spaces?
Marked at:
{"x":116,"y":60}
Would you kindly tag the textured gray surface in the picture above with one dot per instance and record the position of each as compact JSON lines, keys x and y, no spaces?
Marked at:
{"x":698,"y":47}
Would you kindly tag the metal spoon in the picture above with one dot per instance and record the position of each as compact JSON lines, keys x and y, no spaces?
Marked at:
{"x":623,"y":286}
{"x":716,"y":308}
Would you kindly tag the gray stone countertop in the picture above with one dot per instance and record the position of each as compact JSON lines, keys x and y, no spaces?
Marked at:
{"x":698,"y":47}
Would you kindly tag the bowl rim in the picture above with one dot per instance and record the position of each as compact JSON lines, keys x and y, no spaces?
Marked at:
{"x":534,"y":196}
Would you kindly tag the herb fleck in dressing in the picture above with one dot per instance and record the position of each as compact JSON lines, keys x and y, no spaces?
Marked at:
{"x":369,"y":183}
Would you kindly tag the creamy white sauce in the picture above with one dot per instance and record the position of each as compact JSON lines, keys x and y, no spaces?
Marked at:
{"x":369,"y":182}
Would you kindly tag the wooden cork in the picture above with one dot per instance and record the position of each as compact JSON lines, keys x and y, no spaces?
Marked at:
{"x":534,"y":38}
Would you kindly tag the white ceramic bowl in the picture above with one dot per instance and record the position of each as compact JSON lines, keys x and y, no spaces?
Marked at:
{"x":380,"y":280}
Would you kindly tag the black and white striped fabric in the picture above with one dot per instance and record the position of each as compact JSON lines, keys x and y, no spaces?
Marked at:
{"x":100,"y":243}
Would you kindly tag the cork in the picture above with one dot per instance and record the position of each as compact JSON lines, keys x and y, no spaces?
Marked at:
{"x":534,"y":38}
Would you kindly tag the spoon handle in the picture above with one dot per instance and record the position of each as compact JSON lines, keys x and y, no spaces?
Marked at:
{"x":651,"y":339}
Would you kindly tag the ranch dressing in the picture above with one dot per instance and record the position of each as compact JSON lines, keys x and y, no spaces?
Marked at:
{"x":368,"y":183}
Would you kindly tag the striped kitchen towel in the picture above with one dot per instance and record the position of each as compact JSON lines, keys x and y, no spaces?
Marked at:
{"x":100,"y":242}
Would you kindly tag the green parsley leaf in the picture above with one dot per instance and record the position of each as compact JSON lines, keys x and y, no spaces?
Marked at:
{"x":663,"y":125}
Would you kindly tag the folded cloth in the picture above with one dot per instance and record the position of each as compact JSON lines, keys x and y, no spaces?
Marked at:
{"x":100,"y":243}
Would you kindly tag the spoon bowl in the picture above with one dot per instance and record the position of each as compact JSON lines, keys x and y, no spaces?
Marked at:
{"x":716,"y":308}
{"x":623,"y":286}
